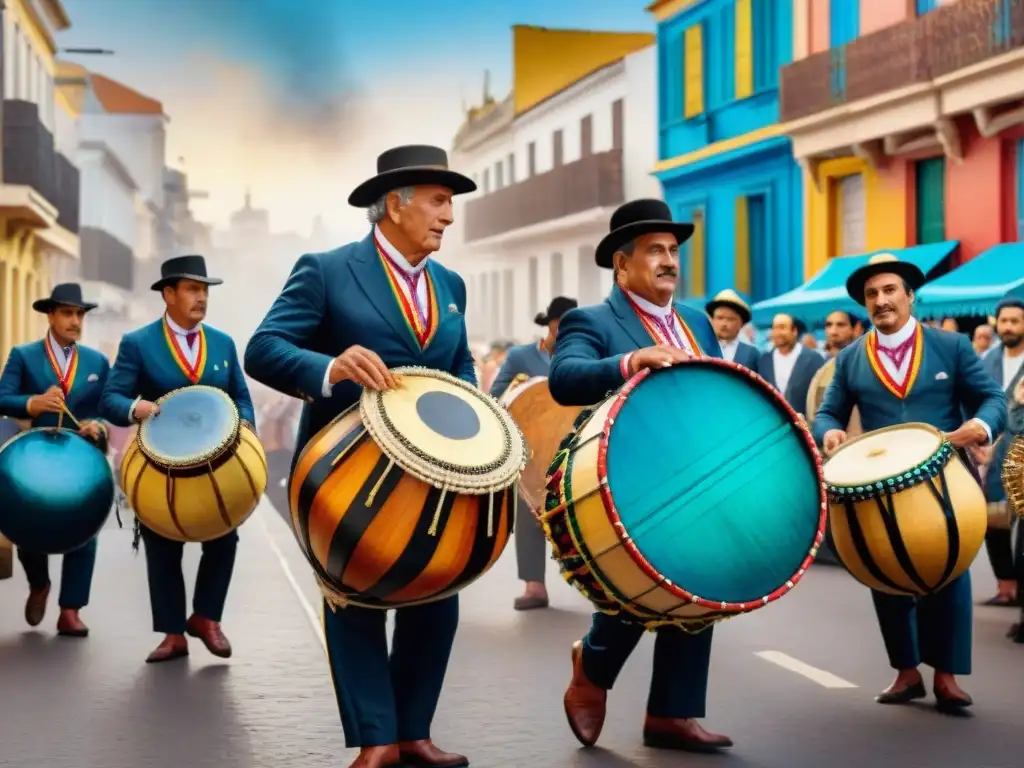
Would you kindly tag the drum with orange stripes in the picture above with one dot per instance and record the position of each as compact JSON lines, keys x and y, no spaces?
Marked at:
{"x":409,"y":495}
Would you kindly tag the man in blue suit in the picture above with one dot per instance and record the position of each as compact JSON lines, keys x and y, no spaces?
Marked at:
{"x":343,"y":319}
{"x":41,"y":380}
{"x":598,"y":348}
{"x":528,"y":361}
{"x":729,"y":313}
{"x":790,"y":366}
{"x":176,"y":351}
{"x":1004,"y":364}
{"x":903,"y":372}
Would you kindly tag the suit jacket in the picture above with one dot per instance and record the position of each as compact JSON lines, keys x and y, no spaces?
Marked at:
{"x":527,"y":359}
{"x":146,"y":367}
{"x":593,"y":340}
{"x":993,"y":364}
{"x":28,"y":372}
{"x":807,"y":364}
{"x":951,"y":385}
{"x":747,"y":356}
{"x":342,"y":298}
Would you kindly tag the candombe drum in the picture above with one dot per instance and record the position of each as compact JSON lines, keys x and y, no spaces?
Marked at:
{"x":907,"y":516}
{"x":543,"y":423}
{"x":57,"y":490}
{"x":816,"y":396}
{"x":195,"y":471}
{"x":8,"y":429}
{"x":691,"y":495}
{"x":409,"y":495}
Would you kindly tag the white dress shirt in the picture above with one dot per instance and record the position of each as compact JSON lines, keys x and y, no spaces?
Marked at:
{"x":414,"y":274}
{"x":783,"y":365}
{"x":667,"y":315}
{"x":729,"y":349}
{"x":60,"y":354}
{"x":180,"y":335}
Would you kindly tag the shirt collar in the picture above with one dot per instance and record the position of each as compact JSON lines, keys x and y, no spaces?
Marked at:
{"x":793,"y":353}
{"x":650,"y":308}
{"x":393,"y":253}
{"x":177,"y":328}
{"x":735,"y":343}
{"x":893,"y":340}
{"x":55,"y":345}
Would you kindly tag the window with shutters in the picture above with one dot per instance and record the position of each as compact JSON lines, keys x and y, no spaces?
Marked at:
{"x":557,"y":148}
{"x":499,"y":176}
{"x":532,"y":287}
{"x":511,"y":168}
{"x":843,"y":21}
{"x":618,"y":129}
{"x":752,"y":269}
{"x":557,"y":275}
{"x":693,"y":258}
{"x":765,"y":53}
{"x":693,"y":71}
{"x":930,"y":183}
{"x":849,"y":215}
{"x":531,"y":159}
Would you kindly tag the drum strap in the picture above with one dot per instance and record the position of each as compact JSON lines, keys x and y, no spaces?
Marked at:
{"x":899,"y":548}
{"x":951,"y":525}
{"x":861,"y":545}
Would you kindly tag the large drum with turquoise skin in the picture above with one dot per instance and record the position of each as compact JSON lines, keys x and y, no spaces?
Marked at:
{"x":907,"y":516}
{"x":56,"y":490}
{"x":691,"y":495}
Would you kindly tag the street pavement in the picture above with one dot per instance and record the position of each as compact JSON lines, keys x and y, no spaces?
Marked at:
{"x":793,"y":684}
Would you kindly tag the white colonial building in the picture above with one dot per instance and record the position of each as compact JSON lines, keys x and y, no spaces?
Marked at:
{"x":552,"y":162}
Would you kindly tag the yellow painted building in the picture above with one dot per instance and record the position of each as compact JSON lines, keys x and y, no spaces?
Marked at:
{"x":33,"y":229}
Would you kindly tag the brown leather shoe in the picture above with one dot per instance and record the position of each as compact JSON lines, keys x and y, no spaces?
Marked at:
{"x":172,"y":647}
{"x":378,"y":757}
{"x":35,"y":606}
{"x":686,"y":735}
{"x":425,"y":754}
{"x":210,"y":633}
{"x":585,"y":703}
{"x":70,"y":624}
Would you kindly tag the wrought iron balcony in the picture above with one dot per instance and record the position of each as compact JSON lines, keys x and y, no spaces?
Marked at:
{"x":916,"y":51}
{"x":105,"y":258}
{"x":590,"y":182}
{"x":29,"y":158}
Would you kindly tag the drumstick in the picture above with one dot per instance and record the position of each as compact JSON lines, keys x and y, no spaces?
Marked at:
{"x":67,"y":412}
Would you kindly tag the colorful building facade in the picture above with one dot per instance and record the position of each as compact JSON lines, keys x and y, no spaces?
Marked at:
{"x":907,"y":119}
{"x":723,"y":160}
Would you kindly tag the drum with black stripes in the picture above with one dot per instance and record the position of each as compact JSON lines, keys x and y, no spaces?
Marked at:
{"x":409,"y":495}
{"x":906,"y":514}
{"x":195,"y":471}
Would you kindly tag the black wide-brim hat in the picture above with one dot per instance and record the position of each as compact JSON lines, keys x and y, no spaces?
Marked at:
{"x":558,"y":307}
{"x":880,"y":264}
{"x":635,"y":218}
{"x":184,"y":268}
{"x":63,"y":295}
{"x":410,"y":166}
{"x":729,"y":298}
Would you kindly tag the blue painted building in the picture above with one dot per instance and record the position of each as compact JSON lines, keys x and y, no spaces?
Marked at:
{"x":724,"y":163}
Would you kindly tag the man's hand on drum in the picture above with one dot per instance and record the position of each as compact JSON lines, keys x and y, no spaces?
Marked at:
{"x":832,"y":440}
{"x":91,"y":429}
{"x":364,"y":367}
{"x":51,"y":401}
{"x":969,"y":433}
{"x":144,"y":409}
{"x":661,"y":356}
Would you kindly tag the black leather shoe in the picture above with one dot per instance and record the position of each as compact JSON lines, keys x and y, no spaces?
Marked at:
{"x":903,"y":695}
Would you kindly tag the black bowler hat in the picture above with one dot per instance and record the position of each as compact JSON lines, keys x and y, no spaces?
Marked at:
{"x":184,"y":268}
{"x":63,"y":295}
{"x":409,"y":166}
{"x":558,"y":307}
{"x":639,"y":217}
{"x":881,"y":264}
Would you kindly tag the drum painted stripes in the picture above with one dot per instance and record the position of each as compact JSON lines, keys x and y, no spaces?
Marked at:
{"x":408,"y":496}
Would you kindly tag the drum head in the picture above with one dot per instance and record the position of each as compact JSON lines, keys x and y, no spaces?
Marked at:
{"x":445,"y":431}
{"x":714,"y":481}
{"x":195,"y":425}
{"x":881,"y":455}
{"x":513,"y":392}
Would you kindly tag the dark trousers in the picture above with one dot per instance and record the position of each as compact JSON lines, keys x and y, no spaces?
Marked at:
{"x":75,"y":574}
{"x":531,"y":544}
{"x":934,"y":630}
{"x":279,"y":465}
{"x":679,"y":678}
{"x":385,"y":699}
{"x":999,"y":545}
{"x":167,"y":584}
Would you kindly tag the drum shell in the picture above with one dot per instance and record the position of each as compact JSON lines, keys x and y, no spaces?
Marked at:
{"x":41,"y":515}
{"x":201,"y":503}
{"x":378,"y":553}
{"x":544,"y":423}
{"x":816,"y":395}
{"x":922,"y":528}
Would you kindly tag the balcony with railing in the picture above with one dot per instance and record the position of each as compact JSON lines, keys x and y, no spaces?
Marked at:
{"x":916,"y":52}
{"x":592,"y":182}
{"x":106,"y":259}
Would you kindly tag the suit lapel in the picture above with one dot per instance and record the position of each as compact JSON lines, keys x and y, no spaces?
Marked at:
{"x":768,"y":371}
{"x":794,"y":376}
{"x":628,"y":320}
{"x":369,"y":274}
{"x":444,"y":299}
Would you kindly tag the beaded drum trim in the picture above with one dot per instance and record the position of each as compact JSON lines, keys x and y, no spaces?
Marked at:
{"x":195,"y":459}
{"x":927,"y":470}
{"x":470,"y":479}
{"x":1013,"y":475}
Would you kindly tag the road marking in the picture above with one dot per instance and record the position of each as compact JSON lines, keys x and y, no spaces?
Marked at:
{"x":819,"y":676}
{"x":307,"y":607}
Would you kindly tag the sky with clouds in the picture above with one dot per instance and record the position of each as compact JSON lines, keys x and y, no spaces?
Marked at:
{"x":295,"y":98}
